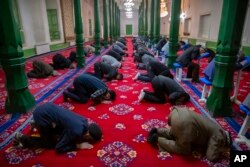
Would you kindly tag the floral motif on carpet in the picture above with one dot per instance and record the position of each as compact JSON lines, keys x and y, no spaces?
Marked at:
{"x":117,"y":154}
{"x":15,"y":155}
{"x":121,"y":109}
{"x":140,"y":138}
{"x":154,"y":123}
{"x":123,"y":88}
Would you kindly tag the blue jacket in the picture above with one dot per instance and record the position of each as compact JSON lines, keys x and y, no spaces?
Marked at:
{"x":69,"y":126}
{"x":209,"y":71}
{"x":90,"y":83}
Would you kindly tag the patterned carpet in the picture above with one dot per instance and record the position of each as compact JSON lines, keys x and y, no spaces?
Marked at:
{"x":125,"y":123}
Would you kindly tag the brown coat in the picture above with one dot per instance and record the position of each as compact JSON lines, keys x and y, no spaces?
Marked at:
{"x":190,"y":131}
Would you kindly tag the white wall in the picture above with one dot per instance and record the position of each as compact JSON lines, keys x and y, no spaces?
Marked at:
{"x":87,"y":13}
{"x":194,"y":9}
{"x":25,"y":17}
{"x":246,"y":33}
{"x":51,"y":4}
{"x":125,"y":21}
{"x":34,"y":19}
{"x":55,"y":4}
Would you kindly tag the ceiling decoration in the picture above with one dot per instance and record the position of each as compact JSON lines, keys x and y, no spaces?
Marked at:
{"x":121,"y":5}
{"x":164,"y":9}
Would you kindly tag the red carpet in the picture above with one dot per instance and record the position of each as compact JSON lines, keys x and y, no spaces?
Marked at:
{"x":125,"y":124}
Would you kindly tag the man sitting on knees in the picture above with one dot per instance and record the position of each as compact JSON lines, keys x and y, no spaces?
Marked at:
{"x":88,"y":50}
{"x":165,"y":86}
{"x":87,"y":86}
{"x":191,"y":132}
{"x":104,"y":70}
{"x":154,"y":68}
{"x":41,"y":70}
{"x":192,"y":53}
{"x":116,"y":55}
{"x":61,"y":129}
{"x":60,"y":62}
{"x":111,"y":61}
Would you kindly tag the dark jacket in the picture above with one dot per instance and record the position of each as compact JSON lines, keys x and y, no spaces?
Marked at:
{"x":89,"y":86}
{"x":114,"y":54}
{"x":102,"y":68}
{"x":89,"y":83}
{"x":192,"y":53}
{"x":160,"y":44}
{"x":40,"y":70}
{"x":60,"y":62}
{"x":160,"y":69}
{"x":69,"y":126}
{"x":168,"y":85}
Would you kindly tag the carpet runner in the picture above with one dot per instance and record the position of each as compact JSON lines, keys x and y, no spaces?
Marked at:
{"x":125,"y":123}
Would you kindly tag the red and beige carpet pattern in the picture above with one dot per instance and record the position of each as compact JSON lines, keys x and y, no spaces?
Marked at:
{"x":125,"y":123}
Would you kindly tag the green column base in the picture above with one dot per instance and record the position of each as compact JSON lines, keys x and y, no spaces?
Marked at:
{"x":171,"y":60}
{"x":19,"y":101}
{"x":97,"y":49}
{"x":80,"y":57}
{"x":219,"y":103}
{"x":173,"y":47}
{"x":106,"y":44}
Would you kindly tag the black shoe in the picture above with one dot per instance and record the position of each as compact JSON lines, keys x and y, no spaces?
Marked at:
{"x":152,"y":131}
{"x":153,"y":139}
{"x":65,"y":97}
{"x":17,"y":139}
{"x":196,"y":80}
{"x":71,"y":90}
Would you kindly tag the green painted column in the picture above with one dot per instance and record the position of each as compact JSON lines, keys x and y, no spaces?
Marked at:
{"x":97,"y":27}
{"x":113,"y":20}
{"x":174,"y":32}
{"x":19,"y":99}
{"x":151,"y":34}
{"x":119,"y":23}
{"x":116,"y":21}
{"x":139,"y":21}
{"x":142,"y":18}
{"x":229,"y":40}
{"x":110,"y":21}
{"x":146,"y":18}
{"x":79,"y":37}
{"x":157,"y":21}
{"x":115,"y":25}
{"x":105,"y":22}
{"x":116,"y":17}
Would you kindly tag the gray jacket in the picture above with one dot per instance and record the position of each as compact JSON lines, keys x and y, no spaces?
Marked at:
{"x":192,"y":131}
{"x":111,"y":60}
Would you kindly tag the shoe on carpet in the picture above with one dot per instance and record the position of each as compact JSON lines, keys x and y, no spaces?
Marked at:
{"x":136,"y":76}
{"x":65,"y":97}
{"x":141,"y":96}
{"x":17,"y":139}
{"x":152,"y":131}
{"x":153,"y":139}
{"x":32,"y":125}
{"x":71,"y":90}
{"x":187,"y":79}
